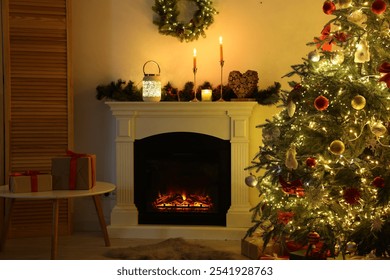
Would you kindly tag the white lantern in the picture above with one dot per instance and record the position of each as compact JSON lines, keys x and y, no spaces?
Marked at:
{"x":151,"y":85}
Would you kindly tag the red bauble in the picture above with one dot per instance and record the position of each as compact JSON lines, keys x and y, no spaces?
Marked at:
{"x":329,"y":7}
{"x":321,"y":103}
{"x":311,"y":162}
{"x":378,"y":7}
{"x":285,"y":217}
{"x":378,"y":182}
{"x":351,"y":195}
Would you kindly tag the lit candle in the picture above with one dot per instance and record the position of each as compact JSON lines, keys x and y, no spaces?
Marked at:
{"x":194,"y":58}
{"x":206,"y":94}
{"x":220,"y":48}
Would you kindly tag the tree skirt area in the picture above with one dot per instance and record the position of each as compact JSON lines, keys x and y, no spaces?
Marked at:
{"x":172,"y":249}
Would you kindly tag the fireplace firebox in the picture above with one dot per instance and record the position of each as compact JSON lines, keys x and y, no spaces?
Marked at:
{"x":182,"y":178}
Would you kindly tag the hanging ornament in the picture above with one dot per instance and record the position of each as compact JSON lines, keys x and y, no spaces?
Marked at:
{"x":377,"y":224}
{"x":385,"y":69}
{"x":285,"y":217}
{"x":251,"y":181}
{"x":351,"y":195}
{"x":329,"y":7}
{"x":358,"y":17}
{"x":351,"y":247}
{"x":337,"y":147}
{"x":311,"y":162}
{"x":321,"y":103}
{"x":326,"y":46}
{"x":341,"y":37}
{"x":378,"y":129}
{"x":293,"y":187}
{"x":291,"y":162}
{"x":313,"y":237}
{"x":378,"y":7}
{"x":378,"y":182}
{"x":358,"y":102}
{"x":345,"y":3}
{"x":270,"y":133}
{"x":291,"y":107}
{"x":337,"y":58}
{"x":362,"y":53}
{"x":314,"y":56}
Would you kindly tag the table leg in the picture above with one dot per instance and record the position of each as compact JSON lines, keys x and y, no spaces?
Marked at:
{"x":103,"y":226}
{"x":54,"y":233}
{"x":7,"y":220}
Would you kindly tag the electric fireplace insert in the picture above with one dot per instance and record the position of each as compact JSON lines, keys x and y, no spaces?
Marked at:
{"x":182,"y":178}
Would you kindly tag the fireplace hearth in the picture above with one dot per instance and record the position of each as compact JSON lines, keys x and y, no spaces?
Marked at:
{"x":137,"y":214}
{"x":182,"y":178}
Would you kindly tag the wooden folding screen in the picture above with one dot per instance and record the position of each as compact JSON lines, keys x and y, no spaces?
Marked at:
{"x":38,"y":99}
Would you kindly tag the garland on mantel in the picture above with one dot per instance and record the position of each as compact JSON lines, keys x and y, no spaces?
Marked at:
{"x":168,"y":23}
{"x":126,"y":91}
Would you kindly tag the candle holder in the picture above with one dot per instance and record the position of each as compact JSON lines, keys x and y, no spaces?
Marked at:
{"x":195,"y":99}
{"x":222,"y":62}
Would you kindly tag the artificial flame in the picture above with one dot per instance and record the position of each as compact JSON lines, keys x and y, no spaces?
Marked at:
{"x":183,"y":202}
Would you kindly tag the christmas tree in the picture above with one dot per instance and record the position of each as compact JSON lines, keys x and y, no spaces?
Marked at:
{"x":325,"y":158}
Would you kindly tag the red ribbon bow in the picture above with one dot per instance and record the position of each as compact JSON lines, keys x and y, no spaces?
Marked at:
{"x":293,"y":187}
{"x":73,"y":168}
{"x":385,"y":68}
{"x":33,"y":178}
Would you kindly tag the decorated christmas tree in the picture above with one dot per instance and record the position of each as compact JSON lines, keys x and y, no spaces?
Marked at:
{"x":323,"y":169}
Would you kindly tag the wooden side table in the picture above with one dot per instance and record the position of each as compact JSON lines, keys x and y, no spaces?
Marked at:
{"x":55,"y":196}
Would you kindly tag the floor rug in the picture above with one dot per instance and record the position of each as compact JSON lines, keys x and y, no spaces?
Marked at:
{"x":172,"y":249}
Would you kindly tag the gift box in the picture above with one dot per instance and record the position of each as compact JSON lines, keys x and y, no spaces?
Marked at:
{"x":309,"y":253}
{"x":252,"y":246}
{"x":251,"y":249}
{"x":74,"y":171}
{"x":30,"y":181}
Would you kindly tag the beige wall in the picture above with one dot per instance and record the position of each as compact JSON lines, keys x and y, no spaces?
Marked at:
{"x":113,"y":39}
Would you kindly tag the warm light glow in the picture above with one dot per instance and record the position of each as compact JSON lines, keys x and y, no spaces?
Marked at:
{"x":194,"y":58}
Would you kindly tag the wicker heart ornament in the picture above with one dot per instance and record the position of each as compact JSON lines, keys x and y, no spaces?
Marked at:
{"x":243,"y":85}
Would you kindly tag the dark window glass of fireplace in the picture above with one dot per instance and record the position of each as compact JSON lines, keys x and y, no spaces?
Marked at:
{"x":173,"y":162}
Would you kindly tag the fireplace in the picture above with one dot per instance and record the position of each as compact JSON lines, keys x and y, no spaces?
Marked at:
{"x":182,"y":178}
{"x":194,"y":128}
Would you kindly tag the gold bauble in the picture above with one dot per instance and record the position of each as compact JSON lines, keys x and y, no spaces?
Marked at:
{"x":337,"y":147}
{"x":358,"y":102}
{"x":378,"y":129}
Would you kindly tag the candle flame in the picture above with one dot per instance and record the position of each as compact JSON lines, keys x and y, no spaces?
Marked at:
{"x":194,"y":52}
{"x":220,"y":40}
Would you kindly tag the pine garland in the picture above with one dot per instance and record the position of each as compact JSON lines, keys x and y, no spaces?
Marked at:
{"x":169,"y":25}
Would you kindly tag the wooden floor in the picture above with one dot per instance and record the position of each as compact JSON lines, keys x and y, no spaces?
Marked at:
{"x":87,"y":246}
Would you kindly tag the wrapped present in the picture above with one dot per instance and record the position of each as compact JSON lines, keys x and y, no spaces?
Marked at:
{"x":252,"y":246}
{"x":310,"y":252}
{"x":30,"y":181}
{"x":74,"y":171}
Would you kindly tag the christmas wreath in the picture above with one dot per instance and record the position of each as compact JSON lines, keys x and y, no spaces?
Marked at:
{"x":168,"y":23}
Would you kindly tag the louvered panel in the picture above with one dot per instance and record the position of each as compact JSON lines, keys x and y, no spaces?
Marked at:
{"x":38,"y":220}
{"x":38,"y":100}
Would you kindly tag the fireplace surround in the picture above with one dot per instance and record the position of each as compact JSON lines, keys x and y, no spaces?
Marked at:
{"x":135,"y":121}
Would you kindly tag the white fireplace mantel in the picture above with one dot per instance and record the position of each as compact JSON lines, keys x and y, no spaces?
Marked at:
{"x":137,"y":120}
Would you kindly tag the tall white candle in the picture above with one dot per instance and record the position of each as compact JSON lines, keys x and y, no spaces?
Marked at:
{"x":220,"y":49}
{"x":194,"y":58}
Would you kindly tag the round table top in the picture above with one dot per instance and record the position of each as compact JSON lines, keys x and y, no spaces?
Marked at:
{"x":99,"y":188}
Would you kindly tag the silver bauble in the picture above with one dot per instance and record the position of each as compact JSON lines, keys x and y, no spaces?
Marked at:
{"x":251,"y":181}
{"x":314,"y":56}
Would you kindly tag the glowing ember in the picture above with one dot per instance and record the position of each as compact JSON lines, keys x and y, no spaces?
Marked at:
{"x":183,"y":202}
